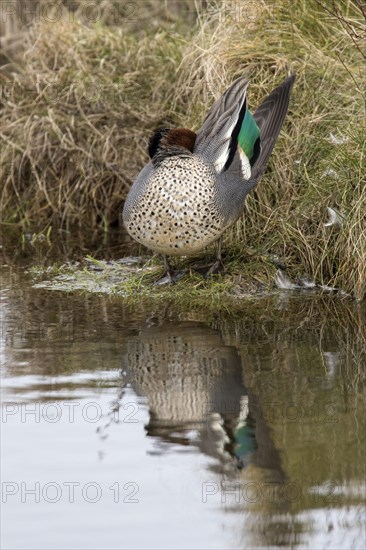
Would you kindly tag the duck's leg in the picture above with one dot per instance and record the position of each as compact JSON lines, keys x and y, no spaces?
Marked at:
{"x":170,"y":275}
{"x":218,"y":265}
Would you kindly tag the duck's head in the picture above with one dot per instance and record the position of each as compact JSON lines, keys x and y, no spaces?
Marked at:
{"x":168,"y":142}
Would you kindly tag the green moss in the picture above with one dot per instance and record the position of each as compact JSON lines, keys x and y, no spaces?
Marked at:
{"x":134,"y":279}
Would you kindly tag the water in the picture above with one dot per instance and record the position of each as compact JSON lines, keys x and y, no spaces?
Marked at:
{"x":149,"y":428}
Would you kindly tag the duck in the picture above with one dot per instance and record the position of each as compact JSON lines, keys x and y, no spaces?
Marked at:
{"x":195,"y":184}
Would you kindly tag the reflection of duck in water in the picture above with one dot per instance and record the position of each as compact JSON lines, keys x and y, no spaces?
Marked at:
{"x":195,"y":390}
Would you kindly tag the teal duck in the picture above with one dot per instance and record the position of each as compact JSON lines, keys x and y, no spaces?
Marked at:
{"x":195,"y":185}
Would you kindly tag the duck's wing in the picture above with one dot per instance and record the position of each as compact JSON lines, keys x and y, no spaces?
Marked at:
{"x":269,"y":118}
{"x":217,"y":139}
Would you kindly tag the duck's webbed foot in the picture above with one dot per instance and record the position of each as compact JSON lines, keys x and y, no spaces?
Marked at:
{"x":170,"y":276}
{"x":216,"y":267}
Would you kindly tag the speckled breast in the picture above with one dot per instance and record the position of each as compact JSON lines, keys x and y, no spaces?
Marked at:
{"x":174,"y":211}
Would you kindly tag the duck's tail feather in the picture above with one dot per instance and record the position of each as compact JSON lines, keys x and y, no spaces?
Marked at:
{"x":269,"y":118}
{"x":217,"y":138}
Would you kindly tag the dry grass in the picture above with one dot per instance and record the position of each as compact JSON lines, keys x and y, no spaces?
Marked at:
{"x":77,"y":114}
{"x":76,"y":119}
{"x":17,"y":15}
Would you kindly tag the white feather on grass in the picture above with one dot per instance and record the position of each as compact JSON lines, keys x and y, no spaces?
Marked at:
{"x":283,"y":282}
{"x":330,"y":173}
{"x":335,"y":217}
{"x":335,"y":140}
